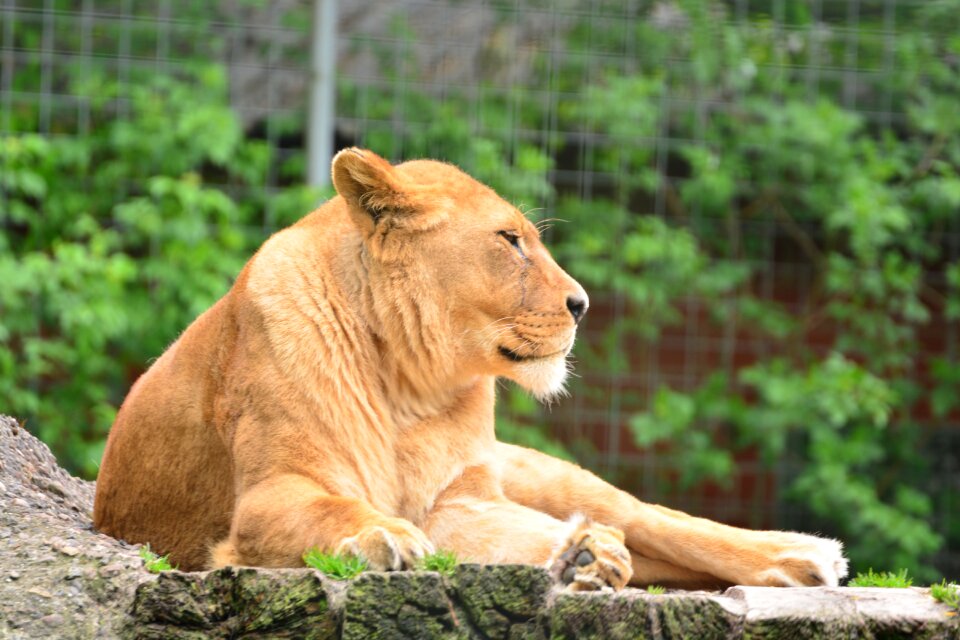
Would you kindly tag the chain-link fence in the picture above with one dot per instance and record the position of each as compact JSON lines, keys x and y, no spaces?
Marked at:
{"x":420,"y":77}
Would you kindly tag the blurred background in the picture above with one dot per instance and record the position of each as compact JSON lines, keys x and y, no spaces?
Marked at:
{"x":761,"y":197}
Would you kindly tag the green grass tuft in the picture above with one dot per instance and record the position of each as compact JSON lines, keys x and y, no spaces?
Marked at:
{"x":888,"y":579}
{"x":442,"y":561}
{"x":657,"y":590}
{"x":334,"y":565}
{"x":153,"y":562}
{"x":947,"y":593}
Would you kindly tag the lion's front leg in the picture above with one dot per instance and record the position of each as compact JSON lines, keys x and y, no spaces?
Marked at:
{"x":282,"y":517}
{"x":474,"y":520}
{"x":591,"y":556}
{"x":667,"y":542}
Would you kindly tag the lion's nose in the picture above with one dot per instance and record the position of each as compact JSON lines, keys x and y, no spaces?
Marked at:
{"x":577,"y":305}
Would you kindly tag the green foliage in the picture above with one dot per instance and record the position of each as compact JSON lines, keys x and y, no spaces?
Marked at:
{"x":442,"y":561}
{"x":98,"y":233}
{"x":862,"y":204}
{"x":656,"y":590}
{"x":947,"y":593}
{"x":153,"y":562}
{"x":336,"y":566}
{"x":886,"y":579}
{"x":519,"y":423}
{"x":670,"y":420}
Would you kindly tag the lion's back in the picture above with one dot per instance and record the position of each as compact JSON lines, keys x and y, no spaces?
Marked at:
{"x":166,"y":477}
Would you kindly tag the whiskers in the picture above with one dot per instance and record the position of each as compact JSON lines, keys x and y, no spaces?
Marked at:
{"x":512,"y":331}
{"x":489,"y":339}
{"x":544,"y":224}
{"x":527,"y":337}
{"x":539,"y":367}
{"x":522,"y":208}
{"x":533,"y":347}
{"x":541,"y":225}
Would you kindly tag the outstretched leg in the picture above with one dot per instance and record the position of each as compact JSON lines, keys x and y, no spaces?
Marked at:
{"x":473,"y":518}
{"x":670,"y":547}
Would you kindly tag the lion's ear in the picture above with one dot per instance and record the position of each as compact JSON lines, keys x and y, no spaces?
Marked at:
{"x":369,"y":184}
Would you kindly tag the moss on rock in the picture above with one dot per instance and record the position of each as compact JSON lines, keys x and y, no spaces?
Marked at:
{"x":496,"y":599}
{"x":387,"y":606}
{"x":635,"y":614}
{"x":231,"y":602}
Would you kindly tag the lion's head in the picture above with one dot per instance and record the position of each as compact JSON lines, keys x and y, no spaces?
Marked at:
{"x":458,"y":274}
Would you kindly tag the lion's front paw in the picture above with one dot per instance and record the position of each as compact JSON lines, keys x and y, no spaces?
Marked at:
{"x":592,"y":557}
{"x":389,"y":546}
{"x":800,"y":560}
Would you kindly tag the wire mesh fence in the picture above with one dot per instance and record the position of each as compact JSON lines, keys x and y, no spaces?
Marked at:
{"x":419,"y":77}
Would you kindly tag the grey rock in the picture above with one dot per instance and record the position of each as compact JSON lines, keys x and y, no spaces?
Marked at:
{"x":61,"y":579}
{"x":66,"y":549}
{"x":76,"y":572}
{"x":45,"y":554}
{"x":845,"y":613}
{"x":52,"y":620}
{"x":112,"y":569}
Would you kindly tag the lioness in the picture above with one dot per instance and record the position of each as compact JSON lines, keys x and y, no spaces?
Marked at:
{"x":341,"y":396}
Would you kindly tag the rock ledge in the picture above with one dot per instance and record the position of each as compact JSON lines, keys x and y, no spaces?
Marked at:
{"x":61,"y":579}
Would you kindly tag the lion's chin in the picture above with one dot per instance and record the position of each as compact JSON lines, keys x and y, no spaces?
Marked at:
{"x":544,"y":377}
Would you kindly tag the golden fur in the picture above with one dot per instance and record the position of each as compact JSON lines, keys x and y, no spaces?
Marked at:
{"x":341,"y":396}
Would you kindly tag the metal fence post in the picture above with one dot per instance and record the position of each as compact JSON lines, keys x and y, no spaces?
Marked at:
{"x":323,"y":64}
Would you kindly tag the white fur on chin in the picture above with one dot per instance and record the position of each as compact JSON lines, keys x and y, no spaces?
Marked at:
{"x":543,"y":378}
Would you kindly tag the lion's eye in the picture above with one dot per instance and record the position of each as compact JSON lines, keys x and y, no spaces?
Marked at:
{"x":513,"y":238}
